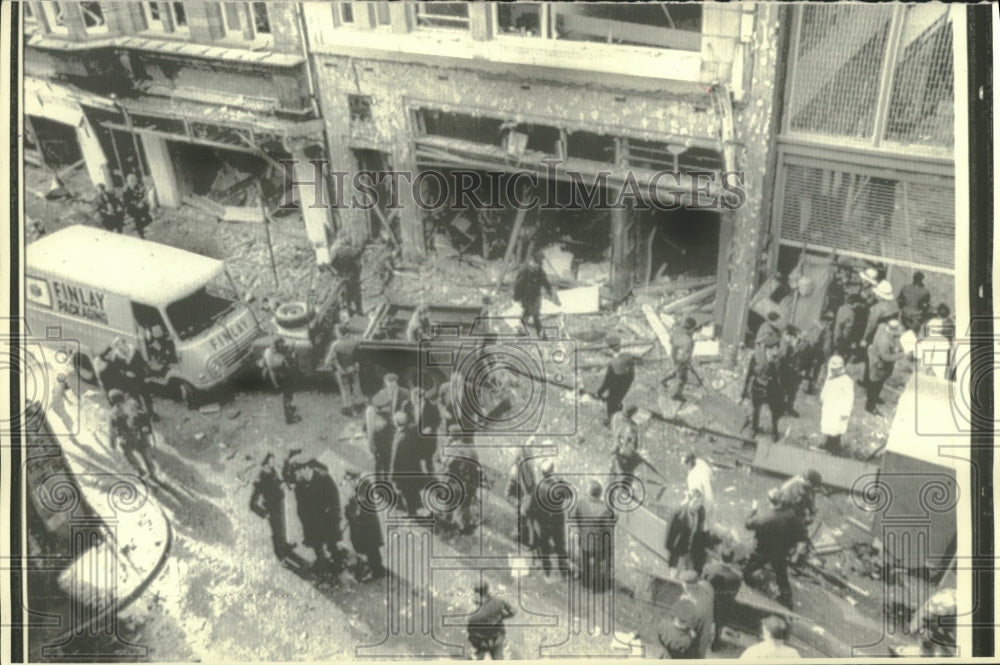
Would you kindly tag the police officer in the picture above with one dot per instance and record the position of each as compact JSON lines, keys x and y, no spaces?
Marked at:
{"x":109,"y":209}
{"x":763,"y":383}
{"x":595,"y":567}
{"x":791,"y":357}
{"x":345,"y":260}
{"x":463,"y":469}
{"x":778,"y":531}
{"x":528,"y":286}
{"x":618,"y":378}
{"x":883,"y":353}
{"x":132,"y":371}
{"x":486,"y":631}
{"x":681,"y":349}
{"x":136,"y":204}
{"x":547,"y":518}
{"x":366,"y":532}
{"x":281,"y":369}
{"x":268,"y":501}
{"x":317,"y":501}
{"x":392,"y":398}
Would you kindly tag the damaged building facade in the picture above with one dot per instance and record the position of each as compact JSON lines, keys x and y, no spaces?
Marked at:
{"x":837,"y":118}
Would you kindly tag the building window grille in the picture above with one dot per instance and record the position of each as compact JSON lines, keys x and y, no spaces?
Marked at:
{"x":448,"y":15}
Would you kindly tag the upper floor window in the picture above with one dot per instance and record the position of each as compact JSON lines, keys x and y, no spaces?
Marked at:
{"x":654,"y":24}
{"x":55,"y":17}
{"x":527,"y":19}
{"x":179,"y":16}
{"x":231,"y":18}
{"x":261,"y":20}
{"x":379,"y":13}
{"x":245,"y":20}
{"x":166,"y":17}
{"x":454,"y":15}
{"x":344,"y":11}
{"x":93,"y":18}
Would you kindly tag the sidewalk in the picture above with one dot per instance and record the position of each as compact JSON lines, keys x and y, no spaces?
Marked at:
{"x":135,"y":534}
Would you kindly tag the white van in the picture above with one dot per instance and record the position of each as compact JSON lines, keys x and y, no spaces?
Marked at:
{"x":97,"y":286}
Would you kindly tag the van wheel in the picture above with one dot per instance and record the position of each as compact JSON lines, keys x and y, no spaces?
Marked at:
{"x":84,"y":368}
{"x":186,"y":393}
{"x":293,"y":314}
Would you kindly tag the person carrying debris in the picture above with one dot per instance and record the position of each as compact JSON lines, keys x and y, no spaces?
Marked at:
{"x":268,"y":501}
{"x":109,"y":209}
{"x":281,"y":369}
{"x":419,"y":326}
{"x":837,"y":400}
{"x":345,"y":261}
{"x":618,"y":378}
{"x":528,"y":286}
{"x":136,"y":203}
{"x":883,"y":353}
{"x":778,"y":531}
{"x":486,"y":631}
{"x":366,"y":531}
{"x":763,"y":383}
{"x":681,"y":350}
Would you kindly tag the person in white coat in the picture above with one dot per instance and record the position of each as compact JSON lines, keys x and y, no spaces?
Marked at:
{"x":699,"y":478}
{"x":837,"y":398}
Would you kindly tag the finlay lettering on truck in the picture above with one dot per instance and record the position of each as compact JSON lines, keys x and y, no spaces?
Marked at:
{"x":96,"y":286}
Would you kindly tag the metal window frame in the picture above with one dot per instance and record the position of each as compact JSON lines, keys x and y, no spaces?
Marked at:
{"x":543,"y":22}
{"x":50,"y":18}
{"x":461,"y":23}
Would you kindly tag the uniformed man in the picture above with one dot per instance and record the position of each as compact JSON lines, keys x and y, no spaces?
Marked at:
{"x":686,"y":535}
{"x":883,"y":310}
{"x":778,"y":531}
{"x":345,"y":261}
{"x":521,"y":482}
{"x":678,"y":639}
{"x":818,"y":348}
{"x":419,"y":327}
{"x":109,"y":209}
{"x":268,"y":501}
{"x":595,"y":566}
{"x":136,"y":204}
{"x":317,"y":501}
{"x":883,"y":353}
{"x":129,"y":428}
{"x":843,"y":326}
{"x":625,"y":439}
{"x":281,"y":370}
{"x":681,"y":350}
{"x":366,"y":532}
{"x":547,"y":519}
{"x":791,"y":351}
{"x":392,"y":398}
{"x":763,"y":383}
{"x":618,"y":378}
{"x":769,"y":328}
{"x":486,"y":631}
{"x":343,"y":358}
{"x":409,"y":467}
{"x":528,"y":286}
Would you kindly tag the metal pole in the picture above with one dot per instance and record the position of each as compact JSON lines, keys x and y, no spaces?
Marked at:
{"x":267,"y":229}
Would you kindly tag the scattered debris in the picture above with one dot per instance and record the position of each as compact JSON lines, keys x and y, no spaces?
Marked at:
{"x":210,"y":408}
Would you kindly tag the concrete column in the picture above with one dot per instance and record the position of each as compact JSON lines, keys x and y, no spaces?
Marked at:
{"x":755,"y":129}
{"x":314,"y":203}
{"x":161,"y":171}
{"x":94,"y":158}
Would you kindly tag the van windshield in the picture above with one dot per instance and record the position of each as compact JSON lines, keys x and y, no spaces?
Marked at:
{"x":196,"y":313}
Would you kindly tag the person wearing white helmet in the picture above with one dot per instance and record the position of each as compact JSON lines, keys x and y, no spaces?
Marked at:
{"x":886,"y":308}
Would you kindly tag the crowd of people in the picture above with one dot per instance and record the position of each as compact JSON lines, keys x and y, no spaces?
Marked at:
{"x":130,"y":205}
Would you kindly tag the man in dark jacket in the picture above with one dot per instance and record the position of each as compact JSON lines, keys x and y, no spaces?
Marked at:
{"x":618,"y":378}
{"x":818,"y":341}
{"x":268,"y":501}
{"x":686,"y":538}
{"x":726,"y":581}
{"x":546,"y":518}
{"x":778,"y":531}
{"x":133,"y":370}
{"x":409,"y":467}
{"x":317,"y":501}
{"x":883,"y":353}
{"x":486,"y":631}
{"x":681,"y":350}
{"x":843,"y":327}
{"x":595,"y":562}
{"x":366,"y":531}
{"x":678,"y":639}
{"x":281,"y":370}
{"x":914,"y":302}
{"x":136,"y":204}
{"x":345,"y":261}
{"x":464,"y":471}
{"x":528,"y":286}
{"x":109,"y":209}
{"x":763,"y":383}
{"x":791,"y":356}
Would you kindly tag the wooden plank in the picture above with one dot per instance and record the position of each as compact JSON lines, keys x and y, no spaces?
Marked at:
{"x":678,"y":285}
{"x":656,"y":324}
{"x":690,"y":299}
{"x":783,"y":460}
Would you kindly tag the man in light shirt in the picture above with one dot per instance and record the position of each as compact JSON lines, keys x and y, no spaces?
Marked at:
{"x":700,"y":478}
{"x":775,"y":630}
